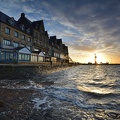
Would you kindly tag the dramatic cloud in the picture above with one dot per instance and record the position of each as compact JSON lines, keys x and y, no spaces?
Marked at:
{"x":84,"y":25}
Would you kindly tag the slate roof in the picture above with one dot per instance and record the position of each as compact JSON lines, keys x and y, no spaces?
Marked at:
{"x":4,"y":18}
{"x":18,"y":48}
{"x":38,"y":24}
{"x":53,"y":39}
{"x":26,"y":22}
{"x":59,"y":42}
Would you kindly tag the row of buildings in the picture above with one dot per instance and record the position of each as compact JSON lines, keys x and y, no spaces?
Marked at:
{"x":27,"y":41}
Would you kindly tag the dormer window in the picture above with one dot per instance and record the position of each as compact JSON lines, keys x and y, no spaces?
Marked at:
{"x":36,"y":35}
{"x":37,"y":26}
{"x":11,"y":21}
{"x":22,"y":27}
{"x":28,"y":30}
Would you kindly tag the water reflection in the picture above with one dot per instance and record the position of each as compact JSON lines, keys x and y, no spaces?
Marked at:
{"x":82,"y":92}
{"x":96,"y":90}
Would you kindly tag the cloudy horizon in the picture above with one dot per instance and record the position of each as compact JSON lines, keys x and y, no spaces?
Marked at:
{"x":85,"y":26}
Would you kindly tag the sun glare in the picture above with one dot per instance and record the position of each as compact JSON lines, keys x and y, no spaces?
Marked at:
{"x":100,"y":58}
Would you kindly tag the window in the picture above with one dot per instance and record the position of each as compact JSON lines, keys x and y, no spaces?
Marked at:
{"x":6,"y":42}
{"x":20,"y":56}
{"x":11,"y":21}
{"x":16,"y":34}
{"x":22,"y":27}
{"x":24,"y":57}
{"x":29,"y":39}
{"x":28,"y":30}
{"x":37,"y":26}
{"x":34,"y":58}
{"x":2,"y":55}
{"x":7,"y":30}
{"x":41,"y":59}
{"x":22,"y":45}
{"x":11,"y":56}
{"x":15,"y":44}
{"x":23,"y":37}
{"x":36,"y":35}
{"x":7,"y":55}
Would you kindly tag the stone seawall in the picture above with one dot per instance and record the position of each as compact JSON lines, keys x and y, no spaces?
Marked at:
{"x":14,"y":71}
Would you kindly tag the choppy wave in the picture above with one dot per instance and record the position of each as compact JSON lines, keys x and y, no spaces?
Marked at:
{"x":91,"y":90}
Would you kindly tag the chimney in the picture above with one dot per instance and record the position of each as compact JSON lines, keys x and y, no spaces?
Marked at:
{"x":22,"y":14}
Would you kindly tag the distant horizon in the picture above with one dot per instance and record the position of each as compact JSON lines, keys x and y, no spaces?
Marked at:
{"x":87,"y":27}
{"x":100,"y":63}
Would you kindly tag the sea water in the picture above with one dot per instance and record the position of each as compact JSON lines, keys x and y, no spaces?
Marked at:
{"x":85,"y":92}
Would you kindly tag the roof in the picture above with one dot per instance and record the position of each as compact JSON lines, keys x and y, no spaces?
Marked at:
{"x":18,"y":48}
{"x":26,"y":22}
{"x":59,"y":42}
{"x":38,"y":25}
{"x":53,"y":39}
{"x":23,"y":19}
{"x":5,"y":18}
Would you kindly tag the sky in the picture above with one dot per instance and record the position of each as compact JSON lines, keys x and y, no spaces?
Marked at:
{"x":87,"y":27}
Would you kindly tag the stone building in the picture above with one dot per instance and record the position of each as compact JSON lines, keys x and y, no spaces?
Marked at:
{"x":14,"y":42}
{"x":40,"y":38}
{"x":58,"y":51}
{"x":27,"y":41}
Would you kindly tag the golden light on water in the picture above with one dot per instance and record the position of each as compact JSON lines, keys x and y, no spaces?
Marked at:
{"x":95,"y":90}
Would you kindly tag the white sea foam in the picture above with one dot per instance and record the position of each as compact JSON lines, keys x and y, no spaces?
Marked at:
{"x":84,"y":87}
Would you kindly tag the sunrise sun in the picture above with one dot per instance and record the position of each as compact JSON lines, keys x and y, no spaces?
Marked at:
{"x":100,"y":58}
{"x":97,"y":57}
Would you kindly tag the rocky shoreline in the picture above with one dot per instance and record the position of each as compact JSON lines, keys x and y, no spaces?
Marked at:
{"x":39,"y":99}
{"x":16,"y":103}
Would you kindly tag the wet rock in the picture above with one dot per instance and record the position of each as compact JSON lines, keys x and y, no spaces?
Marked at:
{"x":2,"y":117}
{"x":114,"y":115}
{"x":1,"y":103}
